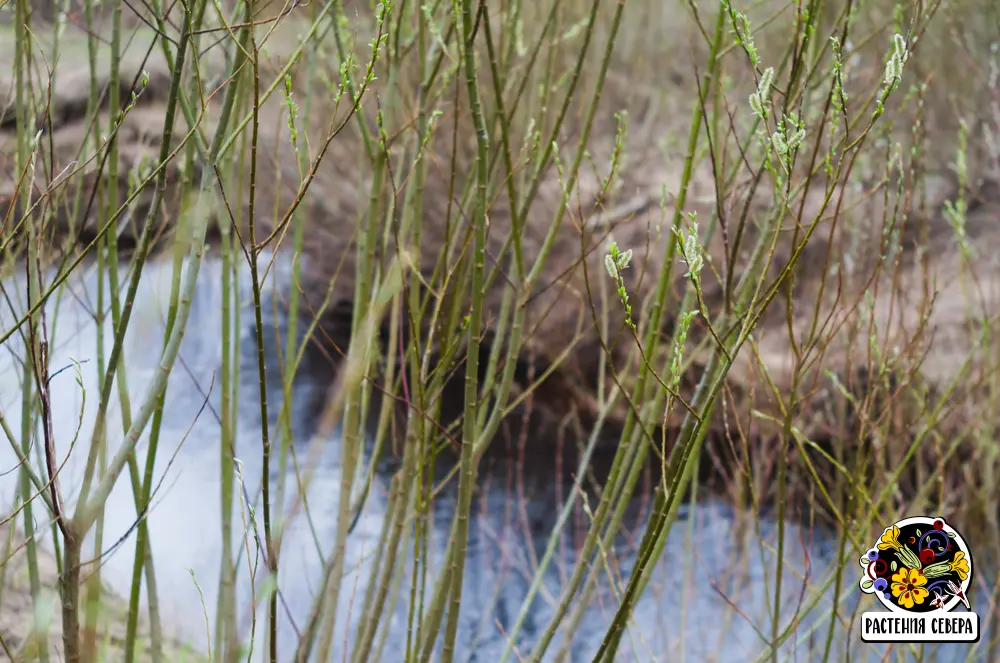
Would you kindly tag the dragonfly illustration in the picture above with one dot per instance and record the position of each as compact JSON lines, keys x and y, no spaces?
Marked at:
{"x":955,"y":590}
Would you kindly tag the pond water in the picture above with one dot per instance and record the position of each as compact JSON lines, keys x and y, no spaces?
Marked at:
{"x":710,"y":598}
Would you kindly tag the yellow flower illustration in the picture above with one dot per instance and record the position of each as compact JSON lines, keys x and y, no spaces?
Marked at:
{"x":889,"y":539}
{"x":960,"y":565}
{"x":908,"y":587}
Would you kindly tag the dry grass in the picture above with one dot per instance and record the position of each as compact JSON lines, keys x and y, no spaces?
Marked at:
{"x":23,"y":616}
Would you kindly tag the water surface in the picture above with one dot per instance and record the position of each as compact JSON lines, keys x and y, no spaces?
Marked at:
{"x":710,"y":598}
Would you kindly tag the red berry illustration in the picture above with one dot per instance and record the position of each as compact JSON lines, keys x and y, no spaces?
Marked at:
{"x":926,"y":556}
{"x":938,"y":524}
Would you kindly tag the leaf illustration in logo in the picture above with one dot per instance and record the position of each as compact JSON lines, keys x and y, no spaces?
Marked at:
{"x":955,"y":590}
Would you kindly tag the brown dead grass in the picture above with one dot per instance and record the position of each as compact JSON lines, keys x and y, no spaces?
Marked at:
{"x":18,"y":633}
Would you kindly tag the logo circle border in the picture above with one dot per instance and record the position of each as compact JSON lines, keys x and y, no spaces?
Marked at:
{"x":954,"y":601}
